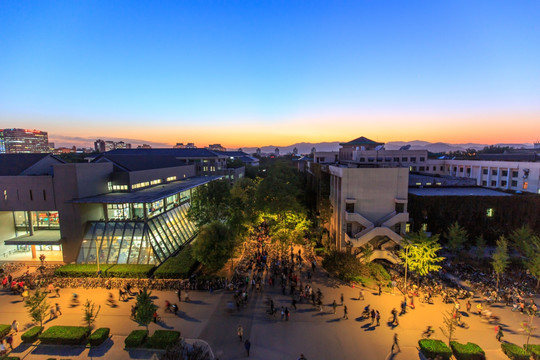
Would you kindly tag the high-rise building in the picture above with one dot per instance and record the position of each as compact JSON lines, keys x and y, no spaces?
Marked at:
{"x":144,"y":146}
{"x":13,"y":141}
{"x":108,"y":145}
{"x":179,"y":146}
{"x":190,"y":146}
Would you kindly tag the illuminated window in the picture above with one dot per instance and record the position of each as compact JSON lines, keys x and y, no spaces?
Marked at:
{"x":5,"y":194}
{"x":109,"y":186}
{"x":119,"y":187}
{"x":171,"y":178}
{"x":525,"y":185}
{"x":155,"y":182}
{"x":418,"y":184}
{"x":407,"y":227}
{"x":140,"y":185}
{"x":427,"y":184}
{"x":490,"y":212}
{"x":424,"y":227}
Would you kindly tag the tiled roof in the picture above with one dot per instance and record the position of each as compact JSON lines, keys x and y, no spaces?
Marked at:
{"x":15,"y":164}
{"x":362,"y":141}
{"x":142,"y":162}
{"x":180,"y":153}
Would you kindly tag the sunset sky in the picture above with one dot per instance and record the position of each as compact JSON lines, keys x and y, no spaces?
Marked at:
{"x":254,"y":73}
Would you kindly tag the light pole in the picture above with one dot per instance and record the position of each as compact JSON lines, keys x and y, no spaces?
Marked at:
{"x":97,"y":257}
{"x":406,"y":265}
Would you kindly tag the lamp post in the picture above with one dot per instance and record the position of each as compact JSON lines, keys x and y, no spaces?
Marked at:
{"x":406,"y":265}
{"x":97,"y":257}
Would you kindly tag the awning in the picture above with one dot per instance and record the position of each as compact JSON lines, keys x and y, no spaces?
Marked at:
{"x":40,"y":237}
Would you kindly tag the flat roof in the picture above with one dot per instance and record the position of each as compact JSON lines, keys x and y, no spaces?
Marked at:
{"x":150,"y":194}
{"x":456,"y":191}
{"x":40,"y":237}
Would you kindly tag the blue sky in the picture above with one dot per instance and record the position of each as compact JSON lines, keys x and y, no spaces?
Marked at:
{"x":256,"y":72}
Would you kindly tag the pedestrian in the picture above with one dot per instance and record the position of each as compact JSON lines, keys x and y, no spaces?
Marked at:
{"x":378,"y":317}
{"x":155,"y":316}
{"x":373,"y":314}
{"x":175,"y":309}
{"x":15,"y":326}
{"x":287,"y":314}
{"x":294,"y":303}
{"x":499,"y":333}
{"x":240,"y":332}
{"x":395,"y":344}
{"x":179,"y":294}
{"x":319,"y":303}
{"x":341,"y":298}
{"x":361,"y":295}
{"x":9,"y":341}
{"x":380,"y":289}
{"x":468,"y":306}
{"x":334,"y":306}
{"x":52,"y":313}
{"x":282,"y":313}
{"x":57,"y":308}
{"x":345,"y":313}
{"x":57,"y":290}
{"x":247,"y":345}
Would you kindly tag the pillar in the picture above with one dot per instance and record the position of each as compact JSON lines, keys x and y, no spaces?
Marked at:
{"x":30,"y":222}
{"x":33,"y":247}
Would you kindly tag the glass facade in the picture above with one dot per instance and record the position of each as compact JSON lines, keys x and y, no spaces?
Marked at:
{"x":137,"y":242}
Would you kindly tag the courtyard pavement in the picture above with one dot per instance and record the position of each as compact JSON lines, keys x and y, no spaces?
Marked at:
{"x":317,"y":335}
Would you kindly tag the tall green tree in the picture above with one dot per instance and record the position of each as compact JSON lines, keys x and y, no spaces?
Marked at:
{"x":37,"y":305}
{"x":450,"y":324}
{"x":524,"y":240}
{"x":145,"y":308}
{"x":214,"y":245}
{"x":90,"y":314}
{"x":500,"y":258}
{"x":456,"y":237}
{"x":420,"y":253}
{"x":211,"y":202}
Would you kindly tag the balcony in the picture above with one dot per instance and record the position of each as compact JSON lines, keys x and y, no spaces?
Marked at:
{"x":396,"y":219}
{"x":386,"y":255}
{"x":365,"y":236}
{"x":356,"y":217}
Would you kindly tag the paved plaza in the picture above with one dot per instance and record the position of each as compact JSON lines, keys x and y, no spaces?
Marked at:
{"x":317,"y":335}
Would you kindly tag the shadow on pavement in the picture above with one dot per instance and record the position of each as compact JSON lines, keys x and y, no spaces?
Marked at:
{"x":102,"y":349}
{"x":142,"y":353}
{"x":59,"y":350}
{"x":185,"y":316}
{"x":334,"y":320}
{"x":21,"y":348}
{"x":198,"y":302}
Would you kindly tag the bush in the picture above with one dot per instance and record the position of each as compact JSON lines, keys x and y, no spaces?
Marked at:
{"x":344,"y":265}
{"x":177,"y":267}
{"x":432,"y":348}
{"x":163,"y":339}
{"x":534,"y":350}
{"x":515,"y":352}
{"x":4,"y":330}
{"x":11,"y":358}
{"x":136,"y":338}
{"x":32,"y":335}
{"x":90,"y":270}
{"x":99,"y":336}
{"x":379,"y":273}
{"x":468,"y":351}
{"x":64,"y":335}
{"x":320,"y":251}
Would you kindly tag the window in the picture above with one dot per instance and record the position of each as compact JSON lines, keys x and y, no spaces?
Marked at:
{"x":422,"y":159}
{"x":407,"y":227}
{"x":525,"y":185}
{"x":413,"y":159}
{"x":418,"y":184}
{"x":514,"y":183}
{"x":400,"y":207}
{"x":503,"y":183}
{"x":494,"y":172}
{"x":171,"y":178}
{"x":493,"y":183}
{"x":515,"y":173}
{"x":5,"y":194}
{"x":490,"y":212}
{"x":349,"y":207}
{"x":469,"y":171}
{"x":428,"y":184}
{"x":422,"y":168}
{"x":109,"y":186}
{"x":435,"y":168}
{"x":155,"y":182}
{"x":455,"y":169}
{"x":460,"y":169}
{"x":485,"y":171}
{"x":140,"y":185}
{"x":505,"y":173}
{"x":413,"y":168}
{"x":119,"y":187}
{"x":396,"y":159}
{"x":388,"y":159}
{"x":404,"y":159}
{"x":371,"y":159}
{"x":31,"y":196}
{"x":44,"y":195}
{"x":484,"y":183}
{"x":424,"y":227}
{"x":442,"y":168}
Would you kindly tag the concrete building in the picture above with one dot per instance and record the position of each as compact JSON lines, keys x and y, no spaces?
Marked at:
{"x":216,"y":147}
{"x":22,"y":141}
{"x":125,"y":208}
{"x":108,"y":145}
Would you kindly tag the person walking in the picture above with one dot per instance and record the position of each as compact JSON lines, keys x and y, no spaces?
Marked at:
{"x":341,"y":297}
{"x":373,"y":314}
{"x":334,"y":306}
{"x":15,"y":326}
{"x":499,"y":332}
{"x":247,"y":346}
{"x":361,"y":295}
{"x":9,"y":341}
{"x":240,"y":332}
{"x":293,"y":303}
{"x":179,"y":294}
{"x":345,"y":312}
{"x":287,"y":313}
{"x":57,"y":290}
{"x":468,"y":305}
{"x":57,"y":309}
{"x":378,"y":317}
{"x":395,"y":344}
{"x":380,"y":289}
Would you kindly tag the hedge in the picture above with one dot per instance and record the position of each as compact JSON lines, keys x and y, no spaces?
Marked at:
{"x":32,"y":335}
{"x":177,"y":267}
{"x":136,"y":338}
{"x":515,"y":352}
{"x":11,"y":358}
{"x":118,"y":271}
{"x":534,"y":350}
{"x":99,"y":336}
{"x":468,"y":351}
{"x":64,"y":335}
{"x":4,"y":330}
{"x":163,"y":339}
{"x":431,"y":348}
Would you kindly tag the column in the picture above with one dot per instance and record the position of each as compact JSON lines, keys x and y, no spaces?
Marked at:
{"x":508,"y":179}
{"x":30,"y":222}
{"x":33,"y":247}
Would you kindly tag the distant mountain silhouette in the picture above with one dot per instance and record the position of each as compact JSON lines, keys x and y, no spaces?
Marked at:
{"x":438,"y":147}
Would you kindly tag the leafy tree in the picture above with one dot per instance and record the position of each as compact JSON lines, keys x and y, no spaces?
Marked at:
{"x":480,"y":247}
{"x":528,"y":328}
{"x":420,"y":253}
{"x":243,"y":205}
{"x":449,"y":327}
{"x":455,"y":237}
{"x":365,"y":254}
{"x":214,"y":245}
{"x":280,"y":190}
{"x":524,"y":240}
{"x":211,"y":202}
{"x":533,"y":265}
{"x":500,"y":258}
{"x":344,"y":265}
{"x":145,"y":308}
{"x":90,"y":314}
{"x":37,"y":305}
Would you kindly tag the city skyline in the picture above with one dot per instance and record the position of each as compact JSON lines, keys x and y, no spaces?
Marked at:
{"x":271,"y":73}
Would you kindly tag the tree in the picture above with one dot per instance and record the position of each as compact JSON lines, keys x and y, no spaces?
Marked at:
{"x":210,"y":202}
{"x":214,"y":245}
{"x":419,"y":253}
{"x":145,"y":308}
{"x":90,"y":314}
{"x":528,"y":328}
{"x":455,"y":237}
{"x":480,"y":247}
{"x":37,"y":305}
{"x":500,"y":258}
{"x":528,"y":244}
{"x":449,"y":327}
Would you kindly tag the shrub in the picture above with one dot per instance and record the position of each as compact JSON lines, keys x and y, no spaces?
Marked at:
{"x":432,"y":348}
{"x":344,"y":265}
{"x":90,"y":270}
{"x":11,"y":358}
{"x":99,"y":336}
{"x":320,"y":251}
{"x":80,"y":270}
{"x":32,"y":335}
{"x":515,"y":352}
{"x":129,"y":271}
{"x":179,"y":266}
{"x":64,"y":335}
{"x":163,"y":339}
{"x":379,"y":273}
{"x":534,"y":350}
{"x":136,"y":338}
{"x":4,"y":330}
{"x":468,"y":351}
